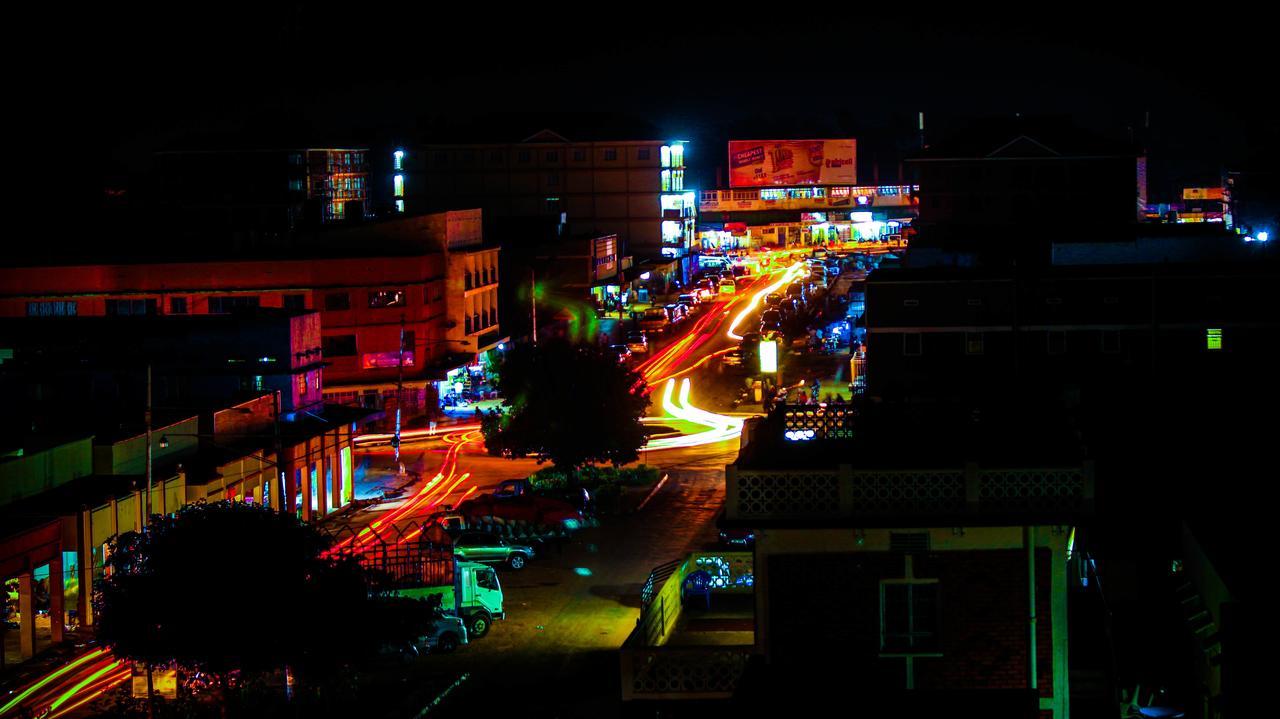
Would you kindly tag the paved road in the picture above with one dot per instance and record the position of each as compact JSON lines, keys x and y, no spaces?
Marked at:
{"x":556,"y":654}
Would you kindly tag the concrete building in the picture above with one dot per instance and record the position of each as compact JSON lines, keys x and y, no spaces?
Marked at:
{"x":374,"y":287}
{"x":264,"y":192}
{"x":902,"y":564}
{"x":632,"y":188}
{"x":788,"y":216}
{"x":1004,"y":191}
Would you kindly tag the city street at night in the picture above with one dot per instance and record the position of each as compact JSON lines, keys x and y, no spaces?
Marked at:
{"x":412,"y":361}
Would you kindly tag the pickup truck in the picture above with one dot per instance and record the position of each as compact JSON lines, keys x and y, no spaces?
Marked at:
{"x":489,"y":548}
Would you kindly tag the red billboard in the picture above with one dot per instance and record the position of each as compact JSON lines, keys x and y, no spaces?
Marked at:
{"x":763,"y":163}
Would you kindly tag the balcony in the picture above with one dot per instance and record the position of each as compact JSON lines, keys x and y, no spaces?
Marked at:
{"x":835,"y":199}
{"x":844,"y":494}
{"x":692,"y":647}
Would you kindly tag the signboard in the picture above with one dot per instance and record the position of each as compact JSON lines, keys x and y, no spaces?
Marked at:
{"x":760,"y":163}
{"x":604,"y":252}
{"x":1202,"y":193}
{"x":769,"y":356}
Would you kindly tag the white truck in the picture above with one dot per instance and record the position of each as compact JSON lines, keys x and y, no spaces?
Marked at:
{"x":474,"y":595}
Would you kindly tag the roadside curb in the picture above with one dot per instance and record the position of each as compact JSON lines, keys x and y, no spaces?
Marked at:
{"x":652,"y":492}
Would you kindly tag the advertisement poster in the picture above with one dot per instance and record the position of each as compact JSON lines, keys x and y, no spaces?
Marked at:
{"x":761,"y":163}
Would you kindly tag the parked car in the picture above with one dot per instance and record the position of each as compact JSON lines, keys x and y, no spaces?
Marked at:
{"x":637,"y":342}
{"x":622,"y":352}
{"x":655,"y":319}
{"x":491,"y":549}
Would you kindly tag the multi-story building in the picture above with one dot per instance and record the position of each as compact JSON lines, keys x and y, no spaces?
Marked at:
{"x":902,"y":563}
{"x":990,"y":194}
{"x":966,"y":333}
{"x":787,"y":216}
{"x":263,"y":192}
{"x":632,"y":188}
{"x":384,"y":293}
{"x":64,"y":496}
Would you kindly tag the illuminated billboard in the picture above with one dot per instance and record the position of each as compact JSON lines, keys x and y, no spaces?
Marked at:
{"x":760,"y":163}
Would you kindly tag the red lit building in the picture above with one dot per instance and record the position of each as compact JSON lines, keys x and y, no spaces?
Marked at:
{"x":372,"y":285}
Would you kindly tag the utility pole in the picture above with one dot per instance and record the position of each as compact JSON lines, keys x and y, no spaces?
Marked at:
{"x":146,"y":517}
{"x":533,"y":305}
{"x":399,"y":395}
{"x":279,"y":468}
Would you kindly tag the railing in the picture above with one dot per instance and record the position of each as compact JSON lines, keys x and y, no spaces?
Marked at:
{"x":653,"y":670}
{"x":845,"y":492}
{"x":833,"y":198}
{"x":682,"y":672}
{"x":731,"y":572}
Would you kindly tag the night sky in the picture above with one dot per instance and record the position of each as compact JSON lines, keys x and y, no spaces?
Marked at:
{"x":122,"y":85}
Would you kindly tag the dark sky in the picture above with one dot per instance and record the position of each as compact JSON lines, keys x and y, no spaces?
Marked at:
{"x":123,"y":82}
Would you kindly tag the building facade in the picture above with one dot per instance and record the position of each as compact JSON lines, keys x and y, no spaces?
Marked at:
{"x":810,"y":215}
{"x":632,"y":188}
{"x":265,"y":192}
{"x":385,"y":295}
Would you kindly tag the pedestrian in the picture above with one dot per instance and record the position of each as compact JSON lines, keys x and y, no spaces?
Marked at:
{"x":479,"y":413}
{"x":431,"y":427}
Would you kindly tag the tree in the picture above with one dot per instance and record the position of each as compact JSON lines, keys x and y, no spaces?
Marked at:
{"x":570,"y":405}
{"x":229,"y":586}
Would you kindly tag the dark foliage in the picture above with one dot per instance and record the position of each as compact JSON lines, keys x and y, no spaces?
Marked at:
{"x":568,"y":404}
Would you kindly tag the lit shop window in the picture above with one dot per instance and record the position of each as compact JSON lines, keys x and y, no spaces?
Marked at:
{"x":666,"y":180}
{"x":399,"y":205}
{"x":666,"y":156}
{"x":399,"y":185}
{"x":677,"y":181}
{"x":677,"y":156}
{"x":770,"y":194}
{"x":398,"y":159}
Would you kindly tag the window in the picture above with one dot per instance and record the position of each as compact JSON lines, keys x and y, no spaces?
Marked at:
{"x":495,"y":156}
{"x":231,"y":303}
{"x":553,"y":179}
{"x":973,"y":343}
{"x":522,"y":156}
{"x":335,"y":301}
{"x":433,"y":292}
{"x":1053,"y":300}
{"x":912,"y":344}
{"x":51,"y":309}
{"x":1056,"y":342}
{"x":338,"y":346}
{"x":439,"y":157}
{"x":386,"y":298}
{"x":610,"y":154}
{"x":130,"y":308}
{"x":487,"y":579}
{"x":909,"y":616}
{"x":408,"y":341}
{"x":294,"y":302}
{"x":975,"y":301}
{"x":1110,"y":341}
{"x":552,"y":156}
{"x":666,"y":180}
{"x":1212,"y":339}
{"x":468,"y":157}
{"x":642,"y":153}
{"x":911,"y":303}
{"x":397,"y":183}
{"x":579,"y":155}
{"x":177,"y":305}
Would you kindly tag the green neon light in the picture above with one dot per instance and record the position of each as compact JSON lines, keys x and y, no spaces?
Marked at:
{"x":35,"y":687}
{"x":76,"y":689}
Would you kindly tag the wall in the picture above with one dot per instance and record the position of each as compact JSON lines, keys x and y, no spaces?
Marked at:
{"x":44,"y":470}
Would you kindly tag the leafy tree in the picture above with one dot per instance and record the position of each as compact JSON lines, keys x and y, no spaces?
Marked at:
{"x":228,"y":587}
{"x":568,"y":404}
